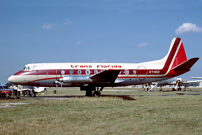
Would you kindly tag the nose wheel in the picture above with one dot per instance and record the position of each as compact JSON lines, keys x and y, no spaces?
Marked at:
{"x":96,"y":94}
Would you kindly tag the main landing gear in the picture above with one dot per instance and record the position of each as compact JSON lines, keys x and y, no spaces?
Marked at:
{"x":96,"y":93}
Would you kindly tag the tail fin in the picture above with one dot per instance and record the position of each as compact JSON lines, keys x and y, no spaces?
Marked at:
{"x":180,"y":54}
{"x":176,"y":58}
{"x":176,"y":54}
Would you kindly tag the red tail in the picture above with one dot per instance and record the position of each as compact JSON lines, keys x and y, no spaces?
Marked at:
{"x":181,"y":55}
{"x":176,"y":59}
{"x":177,"y":53}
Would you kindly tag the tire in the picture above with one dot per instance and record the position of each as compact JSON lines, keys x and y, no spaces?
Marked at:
{"x":96,"y":94}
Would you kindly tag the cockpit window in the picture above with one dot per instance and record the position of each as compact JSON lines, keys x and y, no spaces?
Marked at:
{"x":26,"y":68}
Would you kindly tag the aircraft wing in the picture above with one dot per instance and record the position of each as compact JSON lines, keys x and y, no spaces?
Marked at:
{"x":193,"y":81}
{"x":196,"y":77}
{"x":39,"y":89}
{"x":106,"y":76}
{"x":185,"y":82}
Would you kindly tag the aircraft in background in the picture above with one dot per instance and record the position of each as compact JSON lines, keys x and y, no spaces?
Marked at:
{"x":90,"y":76}
{"x":196,"y":77}
{"x":177,"y":82}
{"x":32,"y":89}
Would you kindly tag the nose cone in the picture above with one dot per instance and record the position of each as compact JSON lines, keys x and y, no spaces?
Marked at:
{"x":11,"y":79}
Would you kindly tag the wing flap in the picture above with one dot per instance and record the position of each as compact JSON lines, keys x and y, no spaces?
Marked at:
{"x":185,"y":66}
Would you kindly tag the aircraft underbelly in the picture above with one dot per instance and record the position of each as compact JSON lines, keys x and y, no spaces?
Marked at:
{"x":137,"y":81}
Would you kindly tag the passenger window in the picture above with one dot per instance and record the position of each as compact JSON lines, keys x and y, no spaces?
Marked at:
{"x":126,"y":72}
{"x":62,"y":72}
{"x":79,"y":72}
{"x":95,"y":71}
{"x":134,"y":72}
{"x":71,"y":72}
{"x":87,"y":72}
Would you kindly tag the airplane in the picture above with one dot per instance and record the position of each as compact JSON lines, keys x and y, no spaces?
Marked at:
{"x":32,"y":89}
{"x":93,"y":77}
{"x":196,"y":77}
{"x":175,"y":81}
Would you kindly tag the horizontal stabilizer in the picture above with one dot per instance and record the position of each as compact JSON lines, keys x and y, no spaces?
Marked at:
{"x":185,"y":66}
{"x":107,"y":75}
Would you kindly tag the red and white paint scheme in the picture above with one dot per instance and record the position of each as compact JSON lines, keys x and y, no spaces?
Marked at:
{"x":88,"y":76}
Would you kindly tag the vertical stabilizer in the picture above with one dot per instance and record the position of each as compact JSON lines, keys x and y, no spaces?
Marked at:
{"x":177,"y":59}
{"x":180,"y":53}
{"x":176,"y":54}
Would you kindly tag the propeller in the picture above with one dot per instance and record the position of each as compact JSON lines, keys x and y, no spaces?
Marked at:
{"x":59,"y":80}
{"x":61,"y":76}
{"x":56,"y":82}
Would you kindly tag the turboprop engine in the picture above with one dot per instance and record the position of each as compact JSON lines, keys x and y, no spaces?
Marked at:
{"x":75,"y":79}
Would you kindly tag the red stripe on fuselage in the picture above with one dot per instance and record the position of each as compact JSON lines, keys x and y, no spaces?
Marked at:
{"x":83,"y":72}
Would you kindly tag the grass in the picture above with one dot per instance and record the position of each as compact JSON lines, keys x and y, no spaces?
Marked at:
{"x":133,"y":91}
{"x":145,"y":115}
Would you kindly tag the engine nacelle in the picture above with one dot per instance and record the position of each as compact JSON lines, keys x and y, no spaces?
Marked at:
{"x":76,"y":79}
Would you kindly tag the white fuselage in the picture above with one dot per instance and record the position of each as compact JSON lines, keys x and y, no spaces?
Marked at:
{"x":105,"y":74}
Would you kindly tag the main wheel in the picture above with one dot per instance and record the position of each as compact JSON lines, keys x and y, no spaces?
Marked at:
{"x":96,"y":94}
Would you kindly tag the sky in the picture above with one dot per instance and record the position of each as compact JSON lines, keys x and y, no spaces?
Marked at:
{"x":109,"y":31}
